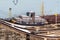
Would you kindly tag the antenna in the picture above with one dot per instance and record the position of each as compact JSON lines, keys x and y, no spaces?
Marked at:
{"x":15,"y":2}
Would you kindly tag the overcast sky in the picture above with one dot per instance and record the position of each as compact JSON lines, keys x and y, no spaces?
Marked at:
{"x":51,"y":7}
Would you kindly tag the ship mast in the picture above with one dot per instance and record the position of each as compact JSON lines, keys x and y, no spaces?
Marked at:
{"x":42,"y":8}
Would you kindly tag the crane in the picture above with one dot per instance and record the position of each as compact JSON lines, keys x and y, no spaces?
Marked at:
{"x":10,"y":12}
{"x":42,"y":8}
{"x":15,"y":2}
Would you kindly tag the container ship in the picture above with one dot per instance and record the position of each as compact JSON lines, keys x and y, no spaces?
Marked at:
{"x":30,"y":27}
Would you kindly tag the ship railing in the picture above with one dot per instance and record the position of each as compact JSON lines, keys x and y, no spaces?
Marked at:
{"x":19,"y":27}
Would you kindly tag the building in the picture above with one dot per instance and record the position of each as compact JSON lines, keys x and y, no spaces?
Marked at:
{"x":52,"y":18}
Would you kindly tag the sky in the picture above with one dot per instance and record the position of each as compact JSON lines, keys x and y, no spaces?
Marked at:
{"x":23,"y":6}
